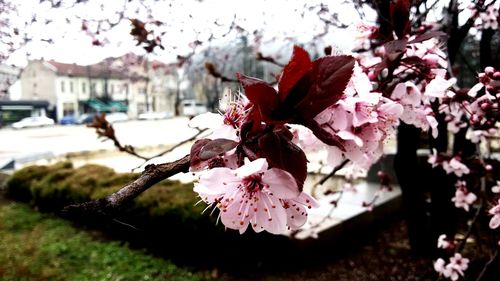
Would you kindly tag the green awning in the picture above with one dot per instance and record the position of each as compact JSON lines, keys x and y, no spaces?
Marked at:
{"x":97,"y":105}
{"x":117,"y":106}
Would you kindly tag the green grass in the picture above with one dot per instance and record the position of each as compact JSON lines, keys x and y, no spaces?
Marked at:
{"x":36,"y":246}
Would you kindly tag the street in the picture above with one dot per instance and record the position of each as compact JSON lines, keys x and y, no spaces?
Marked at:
{"x":60,"y":140}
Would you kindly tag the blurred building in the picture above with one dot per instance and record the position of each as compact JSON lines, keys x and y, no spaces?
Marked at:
{"x":10,"y":86}
{"x":124,"y":84}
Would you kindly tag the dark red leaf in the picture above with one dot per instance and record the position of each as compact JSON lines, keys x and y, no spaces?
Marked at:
{"x":216,"y":147}
{"x":281,"y":153}
{"x":377,"y":68}
{"x":297,"y":67}
{"x":400,"y":16}
{"x":195,"y":152}
{"x":427,"y":36}
{"x":324,"y":135}
{"x":330,"y":76}
{"x":413,"y":60}
{"x":395,"y":49}
{"x":261,"y":94}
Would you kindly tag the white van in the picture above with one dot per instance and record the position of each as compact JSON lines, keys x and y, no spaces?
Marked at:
{"x":193,"y":107}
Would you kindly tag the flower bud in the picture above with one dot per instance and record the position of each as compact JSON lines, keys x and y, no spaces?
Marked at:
{"x":489,"y":70}
{"x":485,"y":106}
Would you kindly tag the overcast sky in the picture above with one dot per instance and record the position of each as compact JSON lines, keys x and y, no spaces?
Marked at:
{"x":185,"y":20}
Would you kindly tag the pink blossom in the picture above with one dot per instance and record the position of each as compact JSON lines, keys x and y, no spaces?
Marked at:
{"x":438,"y":87}
{"x":476,"y":88}
{"x":305,"y":139}
{"x":488,"y":18}
{"x":433,"y":159}
{"x":443,"y":242}
{"x":430,"y":52}
{"x":255,"y":195}
{"x":407,"y":94}
{"x":495,"y":220}
{"x":455,"y":126}
{"x":440,"y":267}
{"x":361,"y":110}
{"x":455,"y":166}
{"x":215,"y":122}
{"x":454,"y":269}
{"x":496,"y":188}
{"x":296,"y":209}
{"x":463,"y":198}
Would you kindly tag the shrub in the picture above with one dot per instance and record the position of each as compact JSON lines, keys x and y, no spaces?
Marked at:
{"x":50,"y":188}
{"x":165,"y":218}
{"x":19,"y":184}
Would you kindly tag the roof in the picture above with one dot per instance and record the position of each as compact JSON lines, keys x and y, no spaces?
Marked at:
{"x":34,"y":103}
{"x":98,"y":70}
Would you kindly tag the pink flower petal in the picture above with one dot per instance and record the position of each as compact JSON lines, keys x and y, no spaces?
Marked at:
{"x":281,"y":183}
{"x":256,"y":166}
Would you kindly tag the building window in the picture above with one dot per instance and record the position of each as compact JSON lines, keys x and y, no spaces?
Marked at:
{"x":84,"y":87}
{"x":62,"y":86}
{"x":71,"y":86}
{"x":92,"y":87}
{"x":112,"y":89}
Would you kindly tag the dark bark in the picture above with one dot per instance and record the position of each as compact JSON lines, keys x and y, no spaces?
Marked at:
{"x":486,"y":55}
{"x":105,"y":207}
{"x":407,"y":171}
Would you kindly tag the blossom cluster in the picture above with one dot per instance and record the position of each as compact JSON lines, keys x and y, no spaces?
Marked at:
{"x":488,"y":18}
{"x":253,"y":166}
{"x":454,"y":269}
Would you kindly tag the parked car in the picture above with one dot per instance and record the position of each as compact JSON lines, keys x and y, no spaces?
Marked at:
{"x":86,"y":118}
{"x":34,"y":121}
{"x":154,"y":115}
{"x":193,"y":107}
{"x":68,"y":120}
{"x":114,"y":117}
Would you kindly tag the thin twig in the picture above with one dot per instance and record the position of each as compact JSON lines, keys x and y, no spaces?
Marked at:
{"x":172,"y":148}
{"x":492,"y":259}
{"x":332,"y":173}
{"x":469,"y":230}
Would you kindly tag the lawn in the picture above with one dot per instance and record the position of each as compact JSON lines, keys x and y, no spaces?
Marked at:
{"x":36,"y":246}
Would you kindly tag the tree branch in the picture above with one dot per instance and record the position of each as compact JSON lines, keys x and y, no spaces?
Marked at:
{"x":104,"y":207}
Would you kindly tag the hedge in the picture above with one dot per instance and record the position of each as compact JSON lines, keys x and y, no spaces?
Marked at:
{"x":165,"y":218}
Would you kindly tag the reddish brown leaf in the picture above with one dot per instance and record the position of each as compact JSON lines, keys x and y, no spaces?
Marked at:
{"x":323,"y":135}
{"x":427,"y":36}
{"x":195,"y":152}
{"x":216,"y":147}
{"x":281,"y":153}
{"x":297,"y":67}
{"x":394,"y":49}
{"x":330,"y":76}
{"x":400,"y":16}
{"x":261,"y":94}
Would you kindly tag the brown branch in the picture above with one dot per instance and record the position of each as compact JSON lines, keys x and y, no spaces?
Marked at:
{"x":105,"y":130}
{"x":469,"y":230}
{"x":170,"y":149}
{"x":261,"y":57}
{"x":210,"y":68}
{"x":106,"y":206}
{"x":332,"y":173}
{"x":492,"y":259}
